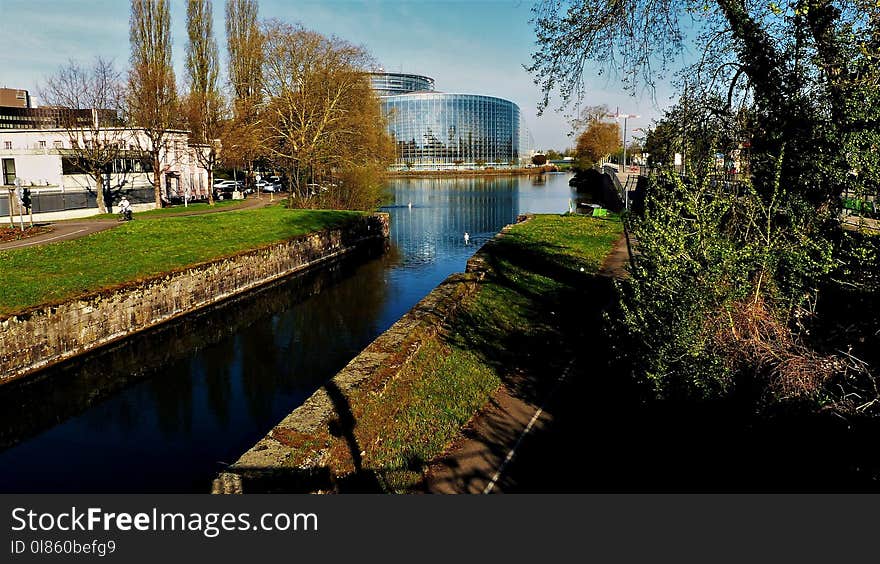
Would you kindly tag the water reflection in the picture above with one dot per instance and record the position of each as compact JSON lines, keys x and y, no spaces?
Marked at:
{"x":438,"y":212}
{"x":209,"y":383}
{"x":165,"y":410}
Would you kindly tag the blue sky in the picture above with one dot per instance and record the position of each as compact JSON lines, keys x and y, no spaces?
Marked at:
{"x":466,"y":46}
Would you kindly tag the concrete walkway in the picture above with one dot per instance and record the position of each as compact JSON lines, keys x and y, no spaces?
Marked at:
{"x":74,"y":229}
{"x":61,"y":231}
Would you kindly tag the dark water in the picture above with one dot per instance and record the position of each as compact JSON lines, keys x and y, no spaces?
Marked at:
{"x":165,"y":410}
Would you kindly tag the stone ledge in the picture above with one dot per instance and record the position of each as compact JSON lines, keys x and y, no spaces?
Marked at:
{"x":399,"y":344}
{"x":47,"y":334}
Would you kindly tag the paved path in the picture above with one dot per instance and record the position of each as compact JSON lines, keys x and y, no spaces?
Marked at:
{"x":74,"y":229}
{"x":511,"y":444}
{"x":61,"y":231}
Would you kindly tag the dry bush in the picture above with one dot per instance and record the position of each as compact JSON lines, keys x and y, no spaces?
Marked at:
{"x":751,"y":338}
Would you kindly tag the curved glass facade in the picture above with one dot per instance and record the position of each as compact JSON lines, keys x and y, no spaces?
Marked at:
{"x":389,"y":84}
{"x":434,"y":130}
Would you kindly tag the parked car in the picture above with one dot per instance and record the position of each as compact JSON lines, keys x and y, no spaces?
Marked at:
{"x":264,"y":186}
{"x":224,"y":191}
{"x":279,"y":184}
{"x":226,"y":184}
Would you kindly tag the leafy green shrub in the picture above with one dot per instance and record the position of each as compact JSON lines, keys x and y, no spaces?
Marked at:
{"x":720,"y":282}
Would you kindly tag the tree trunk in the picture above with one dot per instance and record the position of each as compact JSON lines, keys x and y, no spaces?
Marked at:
{"x":11,"y":214}
{"x":157,"y":180}
{"x":99,"y":191}
{"x":822,"y":17}
{"x":293,"y":186}
{"x":211,"y":183}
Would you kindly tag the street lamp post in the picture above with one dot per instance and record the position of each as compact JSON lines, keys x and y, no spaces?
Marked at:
{"x":619,"y":115}
{"x":642,"y":155}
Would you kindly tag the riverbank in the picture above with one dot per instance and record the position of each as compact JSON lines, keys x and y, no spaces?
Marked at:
{"x":63,"y":299}
{"x":452,"y":173}
{"x":131,"y":251}
{"x":380,"y":422}
{"x":68,"y":229}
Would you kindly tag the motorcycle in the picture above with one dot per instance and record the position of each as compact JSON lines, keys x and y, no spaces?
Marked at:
{"x":125,"y":215}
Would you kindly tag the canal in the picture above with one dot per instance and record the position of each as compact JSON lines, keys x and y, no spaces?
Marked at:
{"x":166,"y":410}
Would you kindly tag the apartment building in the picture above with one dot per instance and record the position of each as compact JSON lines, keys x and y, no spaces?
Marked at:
{"x":43,"y":161}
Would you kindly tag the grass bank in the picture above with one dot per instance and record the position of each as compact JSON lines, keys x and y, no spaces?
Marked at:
{"x":139,"y":249}
{"x":198,"y":207}
{"x":509,"y":327}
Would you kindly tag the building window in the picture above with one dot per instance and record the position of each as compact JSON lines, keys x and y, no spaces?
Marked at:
{"x":8,"y":172}
{"x":69,"y":166}
{"x":59,"y":144}
{"x":41,"y":144}
{"x":7,"y":144}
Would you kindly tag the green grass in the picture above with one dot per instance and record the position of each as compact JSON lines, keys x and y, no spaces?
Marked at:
{"x":569,"y":241}
{"x":514,"y":325}
{"x":435,"y":394}
{"x":139,"y":249}
{"x":539,"y":278}
{"x":174,"y":210}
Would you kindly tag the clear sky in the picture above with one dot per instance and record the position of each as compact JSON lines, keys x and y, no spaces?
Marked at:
{"x":475,"y":47}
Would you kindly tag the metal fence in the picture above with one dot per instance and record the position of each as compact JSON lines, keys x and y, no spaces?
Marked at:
{"x":44,"y":201}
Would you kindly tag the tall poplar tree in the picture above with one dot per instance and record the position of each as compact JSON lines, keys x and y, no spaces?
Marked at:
{"x":152,"y":92}
{"x":245,"y":47}
{"x":203,"y":103}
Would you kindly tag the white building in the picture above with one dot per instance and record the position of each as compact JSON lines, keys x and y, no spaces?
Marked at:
{"x":38,"y":158}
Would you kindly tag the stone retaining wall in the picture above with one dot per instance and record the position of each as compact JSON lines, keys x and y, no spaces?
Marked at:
{"x":47,"y":334}
{"x":268,"y":466}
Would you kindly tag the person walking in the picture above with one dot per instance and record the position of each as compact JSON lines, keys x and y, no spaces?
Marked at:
{"x":125,"y":208}
{"x":467,"y":238}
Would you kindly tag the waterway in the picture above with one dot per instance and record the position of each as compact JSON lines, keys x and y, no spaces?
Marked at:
{"x":166,"y":410}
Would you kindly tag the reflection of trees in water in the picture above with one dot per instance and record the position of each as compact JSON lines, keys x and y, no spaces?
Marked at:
{"x":297,"y":350}
{"x":172,"y":398}
{"x":216,"y":368}
{"x":444,"y":208}
{"x":33,"y":404}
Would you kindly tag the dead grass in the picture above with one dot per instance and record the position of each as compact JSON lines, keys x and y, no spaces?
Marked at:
{"x":751,"y":338}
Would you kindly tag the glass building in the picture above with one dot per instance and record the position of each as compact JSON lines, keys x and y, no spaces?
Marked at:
{"x":434,"y":130}
{"x":389,"y":84}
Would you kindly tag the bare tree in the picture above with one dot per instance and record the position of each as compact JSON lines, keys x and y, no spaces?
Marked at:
{"x":242,"y":145}
{"x":203,"y":104}
{"x":805,"y":69}
{"x":588,"y":115}
{"x":95,"y":139}
{"x":322,"y":121}
{"x":152,"y":93}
